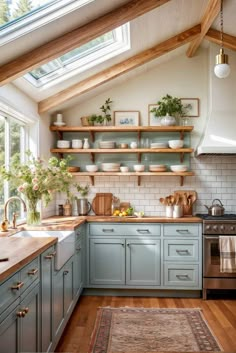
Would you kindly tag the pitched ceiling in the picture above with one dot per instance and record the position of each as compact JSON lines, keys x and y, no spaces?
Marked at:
{"x":152,"y":29}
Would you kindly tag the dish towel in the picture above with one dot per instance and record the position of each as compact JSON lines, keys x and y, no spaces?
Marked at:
{"x":227,"y":254}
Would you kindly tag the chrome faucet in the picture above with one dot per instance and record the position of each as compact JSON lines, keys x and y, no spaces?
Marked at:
{"x":4,"y":224}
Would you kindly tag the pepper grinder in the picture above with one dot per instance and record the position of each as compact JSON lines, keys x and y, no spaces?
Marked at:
{"x":67,"y":208}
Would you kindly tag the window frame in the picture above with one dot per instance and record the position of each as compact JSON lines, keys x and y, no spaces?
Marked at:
{"x":38,"y":18}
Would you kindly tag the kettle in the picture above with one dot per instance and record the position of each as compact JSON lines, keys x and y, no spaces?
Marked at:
{"x":83,"y":206}
{"x":216,"y":209}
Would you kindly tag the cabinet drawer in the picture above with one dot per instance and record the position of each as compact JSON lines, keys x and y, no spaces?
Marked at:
{"x":30,"y":273}
{"x":181,"y":275}
{"x":125,"y":229}
{"x":7,"y":293}
{"x":181,"y":230}
{"x":181,"y":250}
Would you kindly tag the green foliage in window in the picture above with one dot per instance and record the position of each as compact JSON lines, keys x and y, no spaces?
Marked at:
{"x":23,"y":7}
{"x":4,"y":12}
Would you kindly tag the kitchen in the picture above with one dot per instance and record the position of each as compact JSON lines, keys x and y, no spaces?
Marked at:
{"x":214,"y":174}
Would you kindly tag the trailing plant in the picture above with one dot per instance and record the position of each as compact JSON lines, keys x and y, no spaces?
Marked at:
{"x":83,"y":190}
{"x":169,"y":105}
{"x":106,"y":113}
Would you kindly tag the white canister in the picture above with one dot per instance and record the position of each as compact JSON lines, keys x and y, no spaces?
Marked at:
{"x":169,"y":211}
{"x":59,"y":118}
{"x":86,"y":143}
{"x":77,"y":144}
{"x":178,"y":211}
{"x":133,"y":144}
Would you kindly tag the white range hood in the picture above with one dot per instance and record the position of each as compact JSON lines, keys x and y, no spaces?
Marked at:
{"x":219,"y":136}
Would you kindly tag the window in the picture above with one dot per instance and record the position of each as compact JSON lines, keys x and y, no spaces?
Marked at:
{"x":82,"y":58}
{"x":13,"y":144}
{"x":18,"y":17}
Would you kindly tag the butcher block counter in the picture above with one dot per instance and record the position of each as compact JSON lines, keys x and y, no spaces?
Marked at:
{"x":20,"y":251}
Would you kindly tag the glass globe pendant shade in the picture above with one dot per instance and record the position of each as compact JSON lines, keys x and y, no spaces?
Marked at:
{"x":222,"y":68}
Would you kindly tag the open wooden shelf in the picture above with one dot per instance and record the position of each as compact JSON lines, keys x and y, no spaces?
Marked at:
{"x":137,"y":174}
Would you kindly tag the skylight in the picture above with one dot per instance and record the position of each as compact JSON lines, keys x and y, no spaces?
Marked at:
{"x":18,"y":17}
{"x":82,"y":58}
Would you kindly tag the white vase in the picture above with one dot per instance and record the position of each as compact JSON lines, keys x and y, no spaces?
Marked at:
{"x":168,"y":120}
{"x":86,"y":144}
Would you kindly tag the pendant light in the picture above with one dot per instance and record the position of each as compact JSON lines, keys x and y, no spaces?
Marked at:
{"x":222,"y":68}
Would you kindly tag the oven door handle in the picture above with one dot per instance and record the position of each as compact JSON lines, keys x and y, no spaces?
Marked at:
{"x":211,"y":238}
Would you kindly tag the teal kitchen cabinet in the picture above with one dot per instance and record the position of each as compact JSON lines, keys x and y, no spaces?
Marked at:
{"x":47,"y":269}
{"x":62,"y":297}
{"x":20,"y":321}
{"x":79,"y":262}
{"x":107,"y":261}
{"x":143,"y":262}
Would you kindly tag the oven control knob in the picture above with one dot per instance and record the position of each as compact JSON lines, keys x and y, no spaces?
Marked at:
{"x":222,"y":228}
{"x":208,"y":227}
{"x":232,"y":228}
{"x":215,"y":228}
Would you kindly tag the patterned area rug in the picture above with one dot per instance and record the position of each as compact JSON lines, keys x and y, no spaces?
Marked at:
{"x":140,"y":330}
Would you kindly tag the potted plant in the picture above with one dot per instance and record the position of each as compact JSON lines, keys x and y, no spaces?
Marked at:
{"x":83,"y":205}
{"x":169,"y":108}
{"x":105,"y":117}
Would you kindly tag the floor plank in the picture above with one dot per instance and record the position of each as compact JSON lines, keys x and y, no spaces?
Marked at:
{"x":220,"y":315}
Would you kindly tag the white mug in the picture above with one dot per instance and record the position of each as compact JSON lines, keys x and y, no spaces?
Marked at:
{"x":133,"y":144}
{"x":77,"y":144}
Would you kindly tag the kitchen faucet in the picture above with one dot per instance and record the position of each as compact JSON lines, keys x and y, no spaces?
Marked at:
{"x":4,"y":224}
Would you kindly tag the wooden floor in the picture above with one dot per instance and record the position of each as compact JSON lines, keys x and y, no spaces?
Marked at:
{"x":220,"y":315}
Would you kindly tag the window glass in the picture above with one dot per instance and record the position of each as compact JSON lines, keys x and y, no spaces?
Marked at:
{"x":12,"y":146}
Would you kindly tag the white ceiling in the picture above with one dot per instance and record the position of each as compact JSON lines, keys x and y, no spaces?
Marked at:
{"x":146,"y":31}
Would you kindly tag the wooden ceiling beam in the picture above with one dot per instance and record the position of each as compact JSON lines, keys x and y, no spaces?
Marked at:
{"x":119,"y":69}
{"x":69,"y":41}
{"x":212,"y":10}
{"x":214,"y":36}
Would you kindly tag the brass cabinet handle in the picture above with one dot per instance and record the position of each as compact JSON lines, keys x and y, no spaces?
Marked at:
{"x":185,"y":251}
{"x":183,"y":231}
{"x":107,"y":230}
{"x":33,"y":271}
{"x":17,"y":286}
{"x":51,"y":255}
{"x":20,"y":313}
{"x":66,"y":272}
{"x":143,"y":230}
{"x":182,"y":276}
{"x":26,"y":310}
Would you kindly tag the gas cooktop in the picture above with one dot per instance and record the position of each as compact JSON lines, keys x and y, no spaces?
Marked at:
{"x":225,"y":217}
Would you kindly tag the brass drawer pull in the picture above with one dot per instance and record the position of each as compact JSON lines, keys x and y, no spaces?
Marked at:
{"x":18,"y":286}
{"x":182,"y":276}
{"x":183,"y":231}
{"x":107,"y":230}
{"x":143,"y":230}
{"x":182,"y":251}
{"x":50,"y":256}
{"x":26,"y":310}
{"x":33,"y":272}
{"x":20,"y":313}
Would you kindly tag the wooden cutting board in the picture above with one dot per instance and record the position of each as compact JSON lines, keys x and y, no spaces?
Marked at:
{"x":101,"y":204}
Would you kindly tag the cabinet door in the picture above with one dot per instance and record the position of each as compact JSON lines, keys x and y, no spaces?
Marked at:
{"x":47,"y":266}
{"x":58,"y":299}
{"x":29,"y":324}
{"x":9,"y":333}
{"x":143,"y":262}
{"x":78,"y":267}
{"x":107,"y":261}
{"x":68,"y":286}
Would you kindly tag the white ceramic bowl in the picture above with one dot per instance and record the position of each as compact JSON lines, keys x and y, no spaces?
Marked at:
{"x":139,"y":168}
{"x":179,"y":168}
{"x":91,"y":168}
{"x":124,"y":169}
{"x":176,"y":143}
{"x":63,"y":144}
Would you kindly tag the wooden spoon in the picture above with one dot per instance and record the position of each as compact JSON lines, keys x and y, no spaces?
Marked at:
{"x":172,"y":200}
{"x":162,"y":201}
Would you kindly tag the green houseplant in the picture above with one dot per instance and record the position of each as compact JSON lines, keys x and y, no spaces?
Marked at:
{"x":169,"y":107}
{"x":105,"y":117}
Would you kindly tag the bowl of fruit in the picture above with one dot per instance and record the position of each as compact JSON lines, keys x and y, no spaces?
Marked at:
{"x":124,"y":213}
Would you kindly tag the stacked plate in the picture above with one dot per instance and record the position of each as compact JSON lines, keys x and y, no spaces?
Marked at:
{"x":63,"y":144}
{"x":157,"y":168}
{"x":159,"y":145}
{"x":179,"y":168}
{"x":107,"y":144}
{"x":110,"y":167}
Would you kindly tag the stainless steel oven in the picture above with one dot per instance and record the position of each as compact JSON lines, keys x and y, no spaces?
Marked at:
{"x":213,"y":228}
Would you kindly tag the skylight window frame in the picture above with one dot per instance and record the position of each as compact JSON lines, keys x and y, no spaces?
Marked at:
{"x":121,"y":43}
{"x":38,"y":18}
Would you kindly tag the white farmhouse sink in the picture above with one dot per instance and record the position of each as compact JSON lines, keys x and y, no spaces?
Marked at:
{"x":65,"y":246}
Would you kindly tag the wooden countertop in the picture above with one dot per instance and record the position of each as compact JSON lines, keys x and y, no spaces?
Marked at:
{"x":20,"y":251}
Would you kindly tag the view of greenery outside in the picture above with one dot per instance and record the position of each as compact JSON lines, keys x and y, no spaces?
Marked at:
{"x":15,"y":133}
{"x":12,"y":9}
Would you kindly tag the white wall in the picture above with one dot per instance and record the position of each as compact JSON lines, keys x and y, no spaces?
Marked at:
{"x":215,"y":177}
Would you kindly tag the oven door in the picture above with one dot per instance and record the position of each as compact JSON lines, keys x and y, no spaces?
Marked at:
{"x":211,"y":267}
